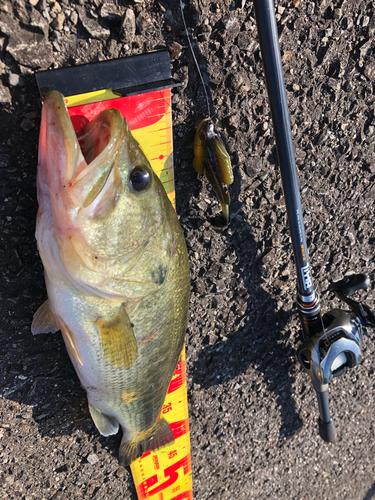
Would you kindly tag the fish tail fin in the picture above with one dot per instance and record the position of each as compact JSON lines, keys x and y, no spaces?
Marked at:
{"x":159,"y":435}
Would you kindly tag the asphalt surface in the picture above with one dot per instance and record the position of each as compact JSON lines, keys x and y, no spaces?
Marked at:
{"x":253,"y":412}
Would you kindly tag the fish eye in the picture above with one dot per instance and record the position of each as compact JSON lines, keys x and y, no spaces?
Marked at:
{"x":139,"y":178}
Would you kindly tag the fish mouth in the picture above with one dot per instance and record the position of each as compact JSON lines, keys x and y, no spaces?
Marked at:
{"x":85,"y":161}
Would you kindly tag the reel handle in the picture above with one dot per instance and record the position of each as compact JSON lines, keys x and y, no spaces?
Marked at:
{"x":355,"y":283}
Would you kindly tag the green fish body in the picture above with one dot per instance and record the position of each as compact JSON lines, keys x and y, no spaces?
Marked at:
{"x":116,"y":271}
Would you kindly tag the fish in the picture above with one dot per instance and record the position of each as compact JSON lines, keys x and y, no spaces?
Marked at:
{"x":213,"y":161}
{"x":116,"y":271}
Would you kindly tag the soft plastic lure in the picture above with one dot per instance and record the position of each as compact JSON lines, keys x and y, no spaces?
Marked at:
{"x":211,"y":158}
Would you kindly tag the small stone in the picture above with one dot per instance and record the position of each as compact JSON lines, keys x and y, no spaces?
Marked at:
{"x":30,"y":49}
{"x":92,"y":458}
{"x":33,"y":2}
{"x":24,"y":70}
{"x":127,"y":32}
{"x":369,"y":71}
{"x":231,"y":24}
{"x":113,"y":49}
{"x":38,"y":21}
{"x":365,"y":49}
{"x":27,"y":125}
{"x":4,"y":163}
{"x":175,"y":50}
{"x":92,"y":26}
{"x":234,"y":121}
{"x":5,"y":96}
{"x":365,"y":21}
{"x":120,"y":472}
{"x":310,"y":8}
{"x":244,"y":40}
{"x":212,"y":338}
{"x":14,"y":80}
{"x":337,"y":13}
{"x":8,"y":25}
{"x":143,"y":22}
{"x":74,"y":17}
{"x":58,"y":22}
{"x":110,"y":11}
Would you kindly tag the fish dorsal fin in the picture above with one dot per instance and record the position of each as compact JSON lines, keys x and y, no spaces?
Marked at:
{"x":224,"y":164}
{"x":44,"y":321}
{"x":106,"y":425}
{"x":118,"y":343}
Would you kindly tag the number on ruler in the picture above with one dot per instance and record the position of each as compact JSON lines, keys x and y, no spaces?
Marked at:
{"x":167,"y":408}
{"x":170,"y":473}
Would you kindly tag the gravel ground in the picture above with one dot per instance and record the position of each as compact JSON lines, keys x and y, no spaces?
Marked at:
{"x":253,"y":413}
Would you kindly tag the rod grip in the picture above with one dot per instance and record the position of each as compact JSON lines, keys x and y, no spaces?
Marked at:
{"x":327,"y":430}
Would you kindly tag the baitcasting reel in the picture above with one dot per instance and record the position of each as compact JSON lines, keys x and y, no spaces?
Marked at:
{"x":336,"y":347}
{"x":331,"y":343}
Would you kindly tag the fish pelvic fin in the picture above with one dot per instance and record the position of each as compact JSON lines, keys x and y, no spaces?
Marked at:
{"x":106,"y":425}
{"x":117,"y":339}
{"x":158,"y":435}
{"x":44,"y":321}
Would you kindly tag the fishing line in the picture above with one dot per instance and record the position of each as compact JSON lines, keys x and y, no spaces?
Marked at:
{"x":195,"y":59}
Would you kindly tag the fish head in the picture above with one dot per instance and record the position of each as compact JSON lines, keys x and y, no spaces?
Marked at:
{"x":99,"y":199}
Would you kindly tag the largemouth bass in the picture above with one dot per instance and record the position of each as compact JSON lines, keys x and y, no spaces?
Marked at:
{"x":116,"y":271}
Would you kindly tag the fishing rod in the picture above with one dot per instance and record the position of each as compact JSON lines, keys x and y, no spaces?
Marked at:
{"x":330,"y":343}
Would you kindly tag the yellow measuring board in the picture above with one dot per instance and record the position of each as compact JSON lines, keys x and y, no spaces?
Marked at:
{"x":165,"y":473}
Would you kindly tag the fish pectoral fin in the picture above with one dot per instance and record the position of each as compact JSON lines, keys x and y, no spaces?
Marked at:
{"x":117,"y":339}
{"x":158,"y":435}
{"x":224,"y":164}
{"x":106,"y":425}
{"x":44,"y":321}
